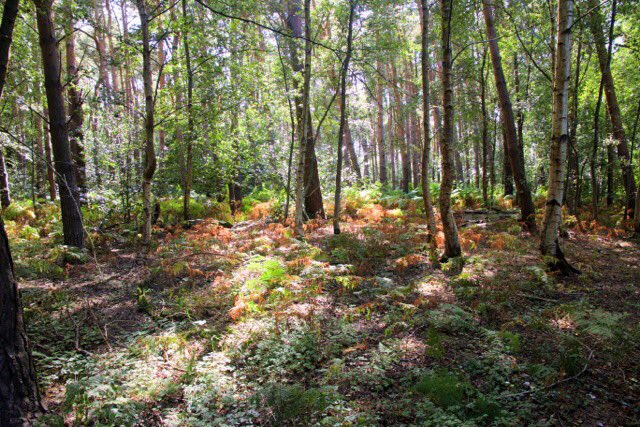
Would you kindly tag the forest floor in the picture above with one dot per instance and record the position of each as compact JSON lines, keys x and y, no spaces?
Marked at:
{"x":249,"y":326}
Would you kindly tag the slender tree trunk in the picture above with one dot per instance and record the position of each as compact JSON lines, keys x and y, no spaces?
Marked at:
{"x":149,"y":149}
{"x":514,"y":149}
{"x":76,"y":134}
{"x":573,"y":196}
{"x":67,"y":188}
{"x":351,"y":149}
{"x":303,"y":124}
{"x":485,"y":131}
{"x":51,"y":180}
{"x":292,"y":124}
{"x":392,"y":144}
{"x":604,"y":59}
{"x":343,"y":118}
{"x":562,"y":75}
{"x":452,"y":245}
{"x":426,"y":147}
{"x":188,"y":176}
{"x":382,"y":152}
{"x":5,"y":194}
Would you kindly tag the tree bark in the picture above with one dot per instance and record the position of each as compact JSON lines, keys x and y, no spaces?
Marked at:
{"x":514,"y":149}
{"x":562,"y":74}
{"x":343,"y":118}
{"x":5,"y":193}
{"x":67,"y":187}
{"x":19,"y":395}
{"x":426,"y":139}
{"x":296,"y":26}
{"x":74,"y":97}
{"x":382,"y":152}
{"x":51,"y":179}
{"x":188,"y":175}
{"x":452,"y":245}
{"x":485,"y":130}
{"x":604,"y":59}
{"x":149,"y":149}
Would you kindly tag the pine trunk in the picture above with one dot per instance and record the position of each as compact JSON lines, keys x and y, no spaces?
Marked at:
{"x":67,"y":187}
{"x":452,"y":245}
{"x":514,"y":149}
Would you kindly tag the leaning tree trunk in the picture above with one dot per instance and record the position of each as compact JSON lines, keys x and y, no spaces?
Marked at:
{"x":343,"y":119}
{"x":67,"y":187}
{"x":452,"y":245}
{"x":604,"y":59}
{"x":514,"y":149}
{"x":426,"y":121}
{"x":149,"y":149}
{"x":549,"y":244}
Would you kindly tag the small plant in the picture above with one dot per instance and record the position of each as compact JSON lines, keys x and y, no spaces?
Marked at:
{"x":292,"y":403}
{"x":443,"y":388}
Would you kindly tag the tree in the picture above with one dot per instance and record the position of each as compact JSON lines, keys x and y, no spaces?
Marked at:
{"x":67,"y":189}
{"x":613,"y":107}
{"x":19,"y":395}
{"x":426,"y":123}
{"x":303,"y":118}
{"x":76,"y":134}
{"x":188,"y":176}
{"x":452,"y":245}
{"x":514,"y":149}
{"x":343,"y":116}
{"x":149,"y":123}
{"x":550,"y":244}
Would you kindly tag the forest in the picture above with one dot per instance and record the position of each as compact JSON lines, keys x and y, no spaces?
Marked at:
{"x":319,"y":213}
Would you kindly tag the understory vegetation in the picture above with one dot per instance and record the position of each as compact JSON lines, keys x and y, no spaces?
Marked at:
{"x":250,"y":326}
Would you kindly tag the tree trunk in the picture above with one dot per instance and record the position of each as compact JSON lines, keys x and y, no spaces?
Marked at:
{"x":67,"y":188}
{"x":452,"y":245}
{"x":76,"y":135}
{"x":19,"y":395}
{"x":294,"y":23}
{"x":9,"y":15}
{"x":604,"y":59}
{"x":561,"y":79}
{"x":343,"y":118}
{"x":485,"y":131}
{"x":573,"y":193}
{"x":51,"y":180}
{"x":426,"y":140}
{"x":382,"y":152}
{"x":188,"y":175}
{"x":506,"y":167}
{"x":5,"y":194}
{"x":149,"y":149}
{"x":514,"y":149}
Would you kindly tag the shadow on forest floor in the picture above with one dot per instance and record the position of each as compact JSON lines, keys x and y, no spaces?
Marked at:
{"x":249,"y":326}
